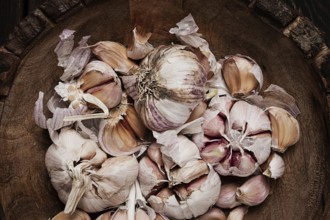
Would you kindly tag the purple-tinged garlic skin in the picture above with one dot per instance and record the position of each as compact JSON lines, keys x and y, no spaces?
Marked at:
{"x":227,"y":197}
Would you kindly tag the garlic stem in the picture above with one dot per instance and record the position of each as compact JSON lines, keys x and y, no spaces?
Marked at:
{"x":80,"y":183}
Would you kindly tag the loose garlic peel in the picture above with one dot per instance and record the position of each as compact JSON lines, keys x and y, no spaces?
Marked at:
{"x":81,"y":182}
{"x":285,"y":129}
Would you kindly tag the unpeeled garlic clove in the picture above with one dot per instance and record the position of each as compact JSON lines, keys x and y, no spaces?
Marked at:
{"x":77,"y":215}
{"x":150,"y":177}
{"x":140,"y":47}
{"x":227,"y":196}
{"x":242,"y":75}
{"x":274,"y":166}
{"x":213,"y":214}
{"x":155,"y":154}
{"x":197,"y":112}
{"x":196,"y":184}
{"x":104,"y":216}
{"x":213,"y":127}
{"x":237,"y":213}
{"x":285,"y":129}
{"x":192,"y":170}
{"x":254,"y":191}
{"x":215,"y":151}
{"x":120,"y":214}
{"x":141,"y":215}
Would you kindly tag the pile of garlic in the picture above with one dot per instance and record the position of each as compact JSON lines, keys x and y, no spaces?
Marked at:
{"x":150,"y":133}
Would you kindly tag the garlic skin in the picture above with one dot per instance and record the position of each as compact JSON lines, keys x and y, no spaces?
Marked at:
{"x":100,"y":80}
{"x":196,"y":204}
{"x":237,"y":136}
{"x":254,"y":191}
{"x":77,"y":215}
{"x":104,"y":216}
{"x":242,"y":75}
{"x":227,"y":197}
{"x":87,"y":179}
{"x":140,"y":47}
{"x":213,"y":214}
{"x":163,"y":97}
{"x":285,"y":129}
{"x":237,"y":213}
{"x":274,"y":166}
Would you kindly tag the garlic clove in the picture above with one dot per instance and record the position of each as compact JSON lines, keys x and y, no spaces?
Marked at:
{"x":213,"y":126}
{"x":197,"y":112}
{"x":181,"y":191}
{"x":120,"y":214}
{"x":141,"y":215}
{"x":213,"y":214}
{"x":150,"y":177}
{"x":227,"y":196}
{"x":274,"y":166}
{"x":285,"y":129}
{"x":160,"y":217}
{"x":104,"y":216}
{"x":237,"y":213}
{"x":88,"y":151}
{"x":242,"y":75}
{"x":190,"y":171}
{"x":140,"y":47}
{"x":254,"y":191}
{"x":155,"y":154}
{"x":196,"y":184}
{"x":135,"y":123}
{"x":77,"y":215}
{"x":215,"y":151}
{"x":115,"y":55}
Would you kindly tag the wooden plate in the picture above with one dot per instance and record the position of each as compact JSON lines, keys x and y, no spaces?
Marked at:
{"x":228,"y":25}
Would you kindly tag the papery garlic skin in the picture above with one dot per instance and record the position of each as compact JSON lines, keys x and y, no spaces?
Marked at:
{"x":242,"y":75}
{"x":169,"y":83}
{"x":227,"y":197}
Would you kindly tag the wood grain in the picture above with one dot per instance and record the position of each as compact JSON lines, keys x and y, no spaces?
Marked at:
{"x":230,"y":27}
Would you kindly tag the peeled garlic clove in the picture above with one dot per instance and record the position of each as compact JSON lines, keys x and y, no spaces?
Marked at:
{"x":213,"y":214}
{"x":192,"y":170}
{"x":140,"y":47}
{"x":254,"y":191}
{"x":227,"y":196}
{"x":242,"y":75}
{"x":155,"y":154}
{"x":77,"y":215}
{"x":274,"y":166}
{"x":237,"y":213}
{"x":215,"y":151}
{"x":285,"y":129}
{"x":141,"y":215}
{"x":149,"y":176}
{"x":104,"y":216}
{"x":115,"y":55}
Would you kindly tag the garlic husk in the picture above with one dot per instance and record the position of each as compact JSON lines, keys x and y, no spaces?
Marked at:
{"x":254,"y":191}
{"x":77,"y":215}
{"x":100,"y":80}
{"x":163,"y":97}
{"x":213,"y":214}
{"x":73,"y":61}
{"x":114,"y":54}
{"x":140,"y":47}
{"x":190,"y":171}
{"x":285,"y":129}
{"x":274,"y":166}
{"x":237,"y":213}
{"x":150,"y":177}
{"x":243,"y":76}
{"x":196,"y":204}
{"x":104,"y":216}
{"x":227,"y":197}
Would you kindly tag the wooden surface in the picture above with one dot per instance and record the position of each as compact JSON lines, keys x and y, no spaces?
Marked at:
{"x":228,"y":25}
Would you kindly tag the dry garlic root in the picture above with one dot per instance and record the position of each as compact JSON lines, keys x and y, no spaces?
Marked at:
{"x":148,"y":132}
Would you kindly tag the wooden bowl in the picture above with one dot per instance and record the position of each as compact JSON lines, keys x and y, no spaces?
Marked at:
{"x":229,"y":26}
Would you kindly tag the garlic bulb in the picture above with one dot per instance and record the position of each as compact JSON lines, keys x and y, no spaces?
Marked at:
{"x":123,"y":131}
{"x":140,"y":47}
{"x":239,"y":136}
{"x":285,"y":129}
{"x":77,"y":215}
{"x":167,"y":86}
{"x":83,"y":176}
{"x":242,"y":75}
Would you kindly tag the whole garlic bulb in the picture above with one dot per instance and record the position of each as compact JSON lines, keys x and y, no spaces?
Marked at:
{"x":167,"y":86}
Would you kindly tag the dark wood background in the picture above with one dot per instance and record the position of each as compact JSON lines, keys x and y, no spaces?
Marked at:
{"x":12,"y":11}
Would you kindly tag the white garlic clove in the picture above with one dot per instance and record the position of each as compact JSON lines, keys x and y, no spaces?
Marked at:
{"x":254,"y":191}
{"x":190,"y":171}
{"x":150,"y":177}
{"x":213,"y":214}
{"x":215,"y":151}
{"x":104,"y":216}
{"x":242,"y":75}
{"x":237,"y":213}
{"x":140,"y":47}
{"x":227,"y":197}
{"x":115,"y":55}
{"x":285,"y":129}
{"x":274,"y":166}
{"x":88,"y":151}
{"x":155,"y":154}
{"x":77,"y":215}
